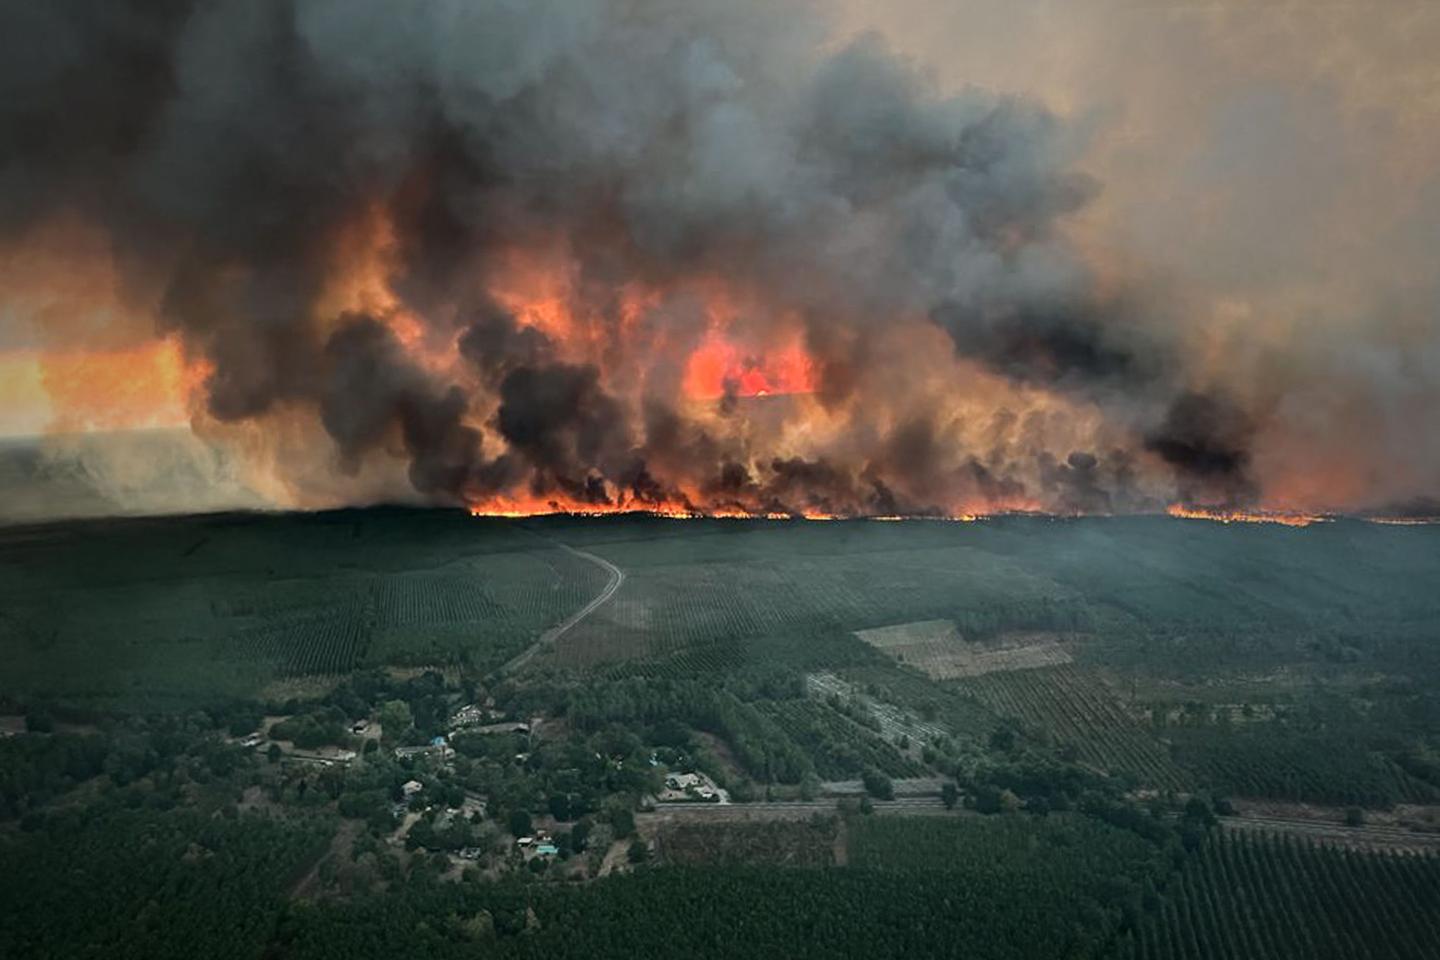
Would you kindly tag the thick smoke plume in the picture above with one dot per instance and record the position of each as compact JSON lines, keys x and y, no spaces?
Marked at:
{"x":606,"y":254}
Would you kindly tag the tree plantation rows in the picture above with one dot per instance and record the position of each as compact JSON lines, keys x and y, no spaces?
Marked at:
{"x":1301,"y":765}
{"x":837,"y":745}
{"x":683,"y":602}
{"x":496,"y":606}
{"x":135,"y":875}
{"x":326,"y":644}
{"x":150,"y":884}
{"x":718,"y":912}
{"x":1082,"y":716}
{"x":168,"y":785}
{"x":1013,"y":887}
{"x":1258,"y":897}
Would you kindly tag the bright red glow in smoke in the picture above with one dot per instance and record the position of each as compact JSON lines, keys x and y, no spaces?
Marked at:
{"x":721,"y":368}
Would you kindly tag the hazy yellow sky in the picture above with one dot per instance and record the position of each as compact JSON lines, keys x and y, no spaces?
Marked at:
{"x":24,"y":404}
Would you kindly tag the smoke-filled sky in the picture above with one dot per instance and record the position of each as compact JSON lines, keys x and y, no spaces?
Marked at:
{"x":833,"y":258}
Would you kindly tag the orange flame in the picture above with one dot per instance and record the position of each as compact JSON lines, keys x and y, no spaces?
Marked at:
{"x":719,"y":367}
{"x":545,"y":506}
{"x":559,"y":504}
{"x":1241,"y":516}
{"x":518,"y":509}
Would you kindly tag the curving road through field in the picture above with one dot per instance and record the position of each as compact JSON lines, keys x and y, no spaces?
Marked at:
{"x":617,"y":577}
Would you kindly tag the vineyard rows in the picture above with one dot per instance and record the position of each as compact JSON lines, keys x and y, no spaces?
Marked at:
{"x":1262,"y":897}
{"x":1079,"y":712}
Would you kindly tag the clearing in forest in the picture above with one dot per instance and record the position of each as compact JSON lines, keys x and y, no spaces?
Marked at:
{"x":938,"y":649}
{"x":782,"y":842}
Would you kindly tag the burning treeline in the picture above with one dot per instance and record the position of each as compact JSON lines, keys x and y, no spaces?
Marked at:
{"x":596,"y":255}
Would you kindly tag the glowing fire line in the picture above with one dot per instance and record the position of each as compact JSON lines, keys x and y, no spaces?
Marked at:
{"x":664,"y":513}
{"x":1243,"y":516}
{"x":555,"y":508}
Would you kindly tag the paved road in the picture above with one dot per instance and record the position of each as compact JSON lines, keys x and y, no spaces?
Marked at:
{"x":617,"y":577}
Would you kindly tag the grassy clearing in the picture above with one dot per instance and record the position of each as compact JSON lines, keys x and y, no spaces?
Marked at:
{"x":787,"y":843}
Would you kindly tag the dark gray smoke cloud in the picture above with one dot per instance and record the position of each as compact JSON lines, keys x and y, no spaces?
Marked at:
{"x":371,"y":384}
{"x":229,"y":147}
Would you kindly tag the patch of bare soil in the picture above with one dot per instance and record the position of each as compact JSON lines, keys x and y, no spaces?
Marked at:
{"x":937,"y":648}
{"x":616,"y":859}
{"x":809,"y":842}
